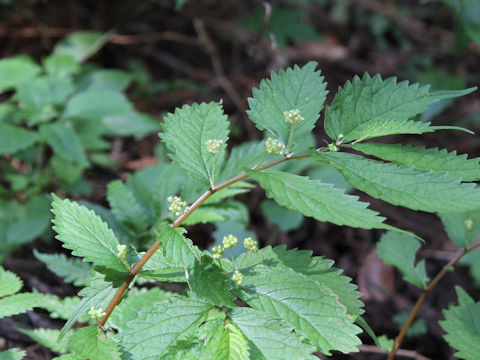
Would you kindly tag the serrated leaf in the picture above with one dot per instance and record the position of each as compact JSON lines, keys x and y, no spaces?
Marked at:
{"x":84,"y":232}
{"x":455,"y":226}
{"x":400,"y":250}
{"x":438,"y":161}
{"x":128,"y":309}
{"x":245,"y":155}
{"x":159,"y":268}
{"x":19,"y":303}
{"x":64,"y":142}
{"x":61,"y":308}
{"x":185,"y":134}
{"x":48,"y":338}
{"x":10,"y":283}
{"x":72,"y":270}
{"x":15,"y":70}
{"x":12,"y":354}
{"x":160,"y":325}
{"x":239,"y":187}
{"x":297,"y":88}
{"x":405,"y":186}
{"x":14,"y":138}
{"x":68,"y":357}
{"x":311,"y":308}
{"x":372,"y":107}
{"x":203,"y":215}
{"x":90,"y":343}
{"x":269,"y":337}
{"x":177,"y":249}
{"x":228,"y":343}
{"x":125,"y":206}
{"x":462,"y":324}
{"x":208,"y":281}
{"x":97,"y":294}
{"x":316,"y":199}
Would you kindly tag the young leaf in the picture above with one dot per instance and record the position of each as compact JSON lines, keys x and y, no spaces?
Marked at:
{"x":12,"y":354}
{"x":399,"y":250}
{"x":161,"y":324}
{"x":72,"y":270}
{"x":10,"y":283}
{"x":185,"y":133}
{"x":316,"y":199}
{"x":177,"y":249}
{"x":372,"y":107}
{"x":228,"y":343}
{"x":90,"y":343}
{"x":269,"y":337}
{"x":125,"y":206}
{"x":15,"y":70}
{"x":462,"y":324}
{"x":295,"y":89}
{"x":14,"y":138}
{"x":438,"y":161}
{"x":405,"y":186}
{"x":64,"y":142}
{"x":19,"y":303}
{"x":84,"y":232}
{"x":48,"y":338}
{"x":308,"y":306}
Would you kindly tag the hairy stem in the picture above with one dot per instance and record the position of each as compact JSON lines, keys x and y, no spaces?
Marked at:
{"x":421,"y":299}
{"x":138,"y":266}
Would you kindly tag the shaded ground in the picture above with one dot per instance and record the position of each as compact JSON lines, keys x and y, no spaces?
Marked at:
{"x":202,"y":54}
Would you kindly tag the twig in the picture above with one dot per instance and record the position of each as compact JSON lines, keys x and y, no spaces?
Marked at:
{"x":401,"y":352}
{"x":138,"y":266}
{"x":421,"y":299}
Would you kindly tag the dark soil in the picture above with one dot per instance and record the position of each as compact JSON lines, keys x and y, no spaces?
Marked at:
{"x":225,"y":64}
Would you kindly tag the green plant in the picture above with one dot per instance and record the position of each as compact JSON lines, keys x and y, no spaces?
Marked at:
{"x":268,"y":303}
{"x":52,"y":129}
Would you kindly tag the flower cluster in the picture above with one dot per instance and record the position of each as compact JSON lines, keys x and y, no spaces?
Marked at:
{"x":292,"y":116}
{"x":177,"y":206}
{"x":237,"y":277}
{"x":213,"y":145}
{"x":229,"y":241}
{"x":96,"y":313}
{"x":122,"y":251}
{"x":250,"y":244}
{"x":275,"y":147}
{"x":333,"y":147}
{"x":217,"y":251}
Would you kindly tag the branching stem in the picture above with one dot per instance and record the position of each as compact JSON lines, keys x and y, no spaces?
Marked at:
{"x":138,"y":266}
{"x":421,"y":299}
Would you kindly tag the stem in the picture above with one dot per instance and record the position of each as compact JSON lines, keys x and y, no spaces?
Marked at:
{"x":290,"y":138}
{"x":212,"y":180}
{"x":421,"y":299}
{"x":138,"y":266}
{"x":231,"y":253}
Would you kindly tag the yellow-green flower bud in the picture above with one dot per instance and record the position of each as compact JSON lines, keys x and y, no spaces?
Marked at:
{"x":332,"y":147}
{"x":213,"y":145}
{"x":122,"y":251}
{"x":469,"y":224}
{"x":237,"y":277}
{"x":217,"y":251}
{"x":250,"y":244}
{"x":292,"y":116}
{"x":275,"y":147}
{"x":96,"y":313}
{"x":177,"y":206}
{"x":229,"y":241}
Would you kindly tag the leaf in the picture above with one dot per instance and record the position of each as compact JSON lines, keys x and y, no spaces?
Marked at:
{"x":131,"y":123}
{"x":405,"y":186}
{"x":269,"y":338}
{"x":316,"y":199}
{"x":161,"y":324}
{"x":285,"y":219}
{"x":61,"y":308}
{"x":60,"y":65}
{"x":311,"y":308}
{"x":105,"y":80}
{"x":12,"y":354}
{"x":400,"y":250}
{"x":128,"y":309}
{"x":15,"y":70}
{"x":125,"y":206}
{"x":159,"y":268}
{"x":81,"y":44}
{"x":462,"y":324}
{"x":209,"y":282}
{"x":227,"y":342}
{"x":64,"y":142}
{"x":297,"y":88}
{"x":203,"y":215}
{"x":90,"y":342}
{"x":372,"y":107}
{"x":72,"y":270}
{"x":245,"y":155}
{"x":19,"y":303}
{"x":10,"y":283}
{"x":96,"y":105}
{"x":84,"y":232}
{"x":455,"y":226}
{"x":14,"y":138}
{"x":97,"y":294}
{"x":185,"y":134}
{"x":438,"y":161}
{"x":47,"y":337}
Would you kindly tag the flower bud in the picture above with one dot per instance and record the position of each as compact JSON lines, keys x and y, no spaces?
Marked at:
{"x":292,"y":116}
{"x":213,"y":145}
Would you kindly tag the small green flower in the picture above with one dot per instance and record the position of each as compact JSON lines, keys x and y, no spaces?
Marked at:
{"x":275,"y":147}
{"x":96,"y":313}
{"x":292,"y":116}
{"x":237,"y":277}
{"x":217,"y":251}
{"x":250,"y":244}
{"x":177,"y":206}
{"x":229,"y":241}
{"x":469,"y":224}
{"x":213,"y":145}
{"x":122,"y":251}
